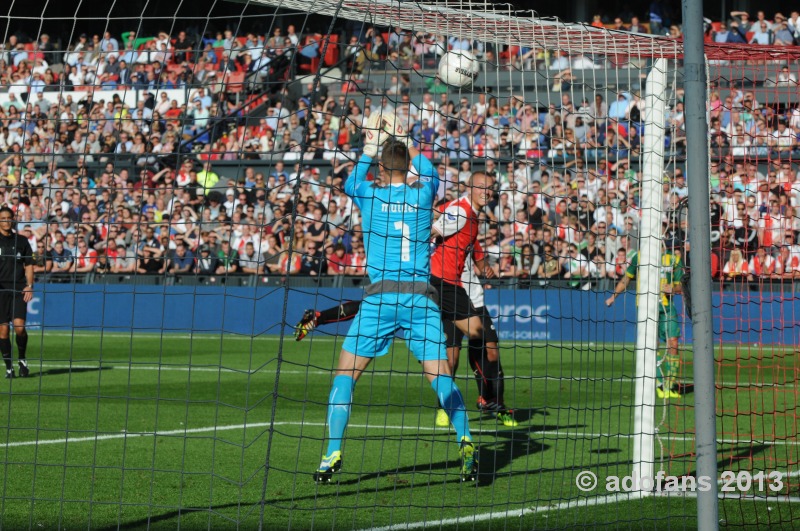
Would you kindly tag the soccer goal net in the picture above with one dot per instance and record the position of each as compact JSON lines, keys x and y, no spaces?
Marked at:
{"x":198,"y":259}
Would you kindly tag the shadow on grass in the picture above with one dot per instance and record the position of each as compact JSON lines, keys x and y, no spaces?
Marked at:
{"x":605,"y":451}
{"x":165,"y":517}
{"x":67,"y":370}
{"x":509,"y":445}
{"x":526,"y":414}
{"x":747,"y":452}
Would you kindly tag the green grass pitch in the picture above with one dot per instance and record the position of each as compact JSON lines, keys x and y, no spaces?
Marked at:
{"x":143,"y":430}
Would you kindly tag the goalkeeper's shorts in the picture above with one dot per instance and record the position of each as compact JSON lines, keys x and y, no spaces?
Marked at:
{"x":669,"y":327}
{"x":382,"y":315}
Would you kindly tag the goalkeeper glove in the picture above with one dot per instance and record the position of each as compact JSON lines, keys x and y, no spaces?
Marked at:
{"x":393,"y":126}
{"x":374,"y":135}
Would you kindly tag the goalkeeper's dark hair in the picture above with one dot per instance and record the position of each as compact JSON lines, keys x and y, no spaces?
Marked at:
{"x":395,"y":157}
{"x":6,"y":208}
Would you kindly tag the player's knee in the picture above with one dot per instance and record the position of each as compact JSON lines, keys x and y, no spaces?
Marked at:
{"x":475,"y":331}
{"x":20,"y":330}
{"x":492,"y":352}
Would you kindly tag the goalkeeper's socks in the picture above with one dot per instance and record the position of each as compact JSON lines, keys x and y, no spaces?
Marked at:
{"x":450,"y":397}
{"x":22,"y":344}
{"x":339,"y":411}
{"x":343,"y":312}
{"x":5,"y":350}
{"x":477,"y":363}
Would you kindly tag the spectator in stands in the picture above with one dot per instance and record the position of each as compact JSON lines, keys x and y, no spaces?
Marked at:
{"x":122,"y":263}
{"x":636,"y":26}
{"x":308,"y":52}
{"x":86,"y":257}
{"x":251,"y":261}
{"x":313,"y":262}
{"x":736,"y":267}
{"x":787,"y":264}
{"x":785,"y":78}
{"x":762,"y":34}
{"x":42,"y":260}
{"x":183,"y":47}
{"x":228,"y":259}
{"x":150,"y":264}
{"x":63,"y":261}
{"x":337,"y":260}
{"x":783,"y":36}
{"x":207,"y":262}
{"x":761,"y":266}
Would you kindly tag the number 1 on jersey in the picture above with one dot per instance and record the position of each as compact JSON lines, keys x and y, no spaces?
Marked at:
{"x":405,"y":246}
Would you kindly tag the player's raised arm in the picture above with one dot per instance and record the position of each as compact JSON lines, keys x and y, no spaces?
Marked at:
{"x":374,"y":136}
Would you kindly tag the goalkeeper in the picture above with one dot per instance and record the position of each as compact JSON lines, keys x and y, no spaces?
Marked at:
{"x":488,"y":373}
{"x":669,"y":329}
{"x":397,"y":224}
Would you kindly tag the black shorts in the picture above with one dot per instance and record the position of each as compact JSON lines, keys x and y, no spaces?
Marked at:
{"x":453,"y":301}
{"x":12,"y":306}
{"x":454,"y":337}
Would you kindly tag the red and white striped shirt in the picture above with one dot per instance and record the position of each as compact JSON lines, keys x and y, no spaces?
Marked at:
{"x":458,"y":225}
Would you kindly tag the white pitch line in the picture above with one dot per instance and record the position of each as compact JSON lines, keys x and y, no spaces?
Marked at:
{"x":230,"y":427}
{"x":316,"y":372}
{"x":106,"y":366}
{"x":573,"y":504}
{"x":517,"y":513}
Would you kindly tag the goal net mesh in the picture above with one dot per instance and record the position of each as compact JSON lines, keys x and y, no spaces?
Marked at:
{"x":753,"y":180}
{"x":180,"y":179}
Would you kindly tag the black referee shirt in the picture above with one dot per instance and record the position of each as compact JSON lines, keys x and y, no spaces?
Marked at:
{"x":15,"y":254}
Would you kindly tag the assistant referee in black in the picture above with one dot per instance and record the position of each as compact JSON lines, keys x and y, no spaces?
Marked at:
{"x":16,"y":290}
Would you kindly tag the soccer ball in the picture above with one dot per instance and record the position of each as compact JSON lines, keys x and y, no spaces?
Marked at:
{"x":458,"y":68}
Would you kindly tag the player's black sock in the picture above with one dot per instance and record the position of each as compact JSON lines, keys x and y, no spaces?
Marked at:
{"x":343,"y":312}
{"x":5,"y":350}
{"x":500,"y":385}
{"x":22,"y":344}
{"x":491,"y":371}
{"x":477,"y":361}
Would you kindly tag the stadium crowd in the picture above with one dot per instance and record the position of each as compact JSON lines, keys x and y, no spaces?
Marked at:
{"x":105,"y":187}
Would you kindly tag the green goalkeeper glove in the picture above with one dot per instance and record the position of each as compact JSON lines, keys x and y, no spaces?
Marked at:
{"x":374,"y":135}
